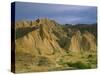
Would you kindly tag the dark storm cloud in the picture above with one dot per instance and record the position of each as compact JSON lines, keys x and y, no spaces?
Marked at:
{"x":60,"y":13}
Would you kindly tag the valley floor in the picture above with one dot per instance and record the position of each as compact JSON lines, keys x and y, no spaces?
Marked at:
{"x":26,"y":62}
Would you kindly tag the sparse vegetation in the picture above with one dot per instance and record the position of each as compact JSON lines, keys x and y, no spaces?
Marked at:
{"x":43,"y":61}
{"x":79,"y":65}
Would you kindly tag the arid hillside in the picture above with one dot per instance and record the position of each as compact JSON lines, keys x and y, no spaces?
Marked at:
{"x":45,"y":45}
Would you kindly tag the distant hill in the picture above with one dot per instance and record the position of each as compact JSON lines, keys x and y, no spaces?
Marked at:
{"x":92,"y":28}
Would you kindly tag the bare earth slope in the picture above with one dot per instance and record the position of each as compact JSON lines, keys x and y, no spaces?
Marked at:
{"x":43,"y":45}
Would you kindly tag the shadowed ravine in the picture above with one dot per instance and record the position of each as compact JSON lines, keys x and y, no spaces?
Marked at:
{"x":20,"y":32}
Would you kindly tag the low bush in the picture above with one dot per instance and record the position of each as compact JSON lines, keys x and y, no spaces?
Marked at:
{"x":79,"y":65}
{"x":43,"y":61}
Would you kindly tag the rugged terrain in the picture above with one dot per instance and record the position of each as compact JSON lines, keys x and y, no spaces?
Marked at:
{"x":45,"y":45}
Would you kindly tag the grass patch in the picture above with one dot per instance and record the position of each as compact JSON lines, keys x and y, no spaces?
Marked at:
{"x":79,"y":65}
{"x":43,"y":61}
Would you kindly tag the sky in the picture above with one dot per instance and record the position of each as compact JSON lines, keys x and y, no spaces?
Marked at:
{"x":63,"y":14}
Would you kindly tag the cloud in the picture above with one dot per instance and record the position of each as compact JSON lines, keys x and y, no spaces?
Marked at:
{"x":60,"y":13}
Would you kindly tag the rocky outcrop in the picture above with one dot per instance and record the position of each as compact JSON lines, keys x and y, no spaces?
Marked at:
{"x":75,"y":45}
{"x":42,"y":40}
{"x":46,"y":37}
{"x":82,"y":41}
{"x":89,"y":41}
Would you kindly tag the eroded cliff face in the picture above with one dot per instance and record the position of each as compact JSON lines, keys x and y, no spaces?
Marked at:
{"x":45,"y":36}
{"x":90,"y":39}
{"x":76,"y":40}
{"x":41,"y":39}
{"x":82,"y":42}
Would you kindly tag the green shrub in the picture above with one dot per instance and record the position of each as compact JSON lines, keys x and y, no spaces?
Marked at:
{"x":43,"y":61}
{"x":79,"y":65}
